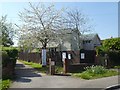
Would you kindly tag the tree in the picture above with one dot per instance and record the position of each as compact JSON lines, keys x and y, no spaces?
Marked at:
{"x":76,"y":20}
{"x":6,"y":31}
{"x":41,"y":23}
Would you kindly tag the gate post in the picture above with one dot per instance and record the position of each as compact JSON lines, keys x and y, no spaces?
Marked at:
{"x":65,"y":65}
{"x":51,"y":67}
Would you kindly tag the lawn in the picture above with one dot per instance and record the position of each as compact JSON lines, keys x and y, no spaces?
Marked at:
{"x":95,"y":72}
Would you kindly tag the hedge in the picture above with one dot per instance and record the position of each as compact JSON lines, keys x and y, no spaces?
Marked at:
{"x":111,"y":47}
{"x":9,"y":54}
{"x":114,"y":57}
{"x":112,"y":44}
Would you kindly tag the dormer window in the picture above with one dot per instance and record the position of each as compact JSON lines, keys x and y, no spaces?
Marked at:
{"x":86,"y":41}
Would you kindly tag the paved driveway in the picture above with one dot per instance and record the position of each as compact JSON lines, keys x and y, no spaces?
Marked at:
{"x":28,"y":77}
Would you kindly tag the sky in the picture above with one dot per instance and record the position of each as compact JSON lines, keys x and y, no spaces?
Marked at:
{"x":103,"y":15}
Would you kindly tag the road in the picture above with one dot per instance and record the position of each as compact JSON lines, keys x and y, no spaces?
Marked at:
{"x":28,"y":77}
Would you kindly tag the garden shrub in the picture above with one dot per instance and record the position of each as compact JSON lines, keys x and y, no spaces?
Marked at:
{"x":11,"y":51}
{"x":96,"y":69}
{"x":12,"y":54}
{"x":112,"y":44}
{"x":111,"y":47}
{"x":9,"y":56}
{"x":5,"y":58}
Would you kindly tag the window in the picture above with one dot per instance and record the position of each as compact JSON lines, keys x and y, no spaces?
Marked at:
{"x":86,"y":41}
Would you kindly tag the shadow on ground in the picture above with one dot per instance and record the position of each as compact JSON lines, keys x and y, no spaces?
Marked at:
{"x":57,"y":74}
{"x":23,"y":74}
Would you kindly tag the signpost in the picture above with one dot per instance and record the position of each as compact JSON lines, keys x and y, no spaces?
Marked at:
{"x":43,"y":57}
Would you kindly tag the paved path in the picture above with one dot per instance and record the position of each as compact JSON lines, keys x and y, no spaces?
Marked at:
{"x":28,"y":77}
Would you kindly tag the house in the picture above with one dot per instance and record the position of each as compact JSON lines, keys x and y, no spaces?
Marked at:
{"x":71,"y":42}
{"x":90,"y":41}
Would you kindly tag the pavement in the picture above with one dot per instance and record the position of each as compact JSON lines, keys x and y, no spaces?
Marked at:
{"x":27,"y":77}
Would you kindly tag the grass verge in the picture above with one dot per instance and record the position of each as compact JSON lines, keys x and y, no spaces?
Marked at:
{"x":58,"y":69}
{"x":5,"y":84}
{"x":95,"y":72}
{"x":117,"y":67}
{"x":36,"y":66}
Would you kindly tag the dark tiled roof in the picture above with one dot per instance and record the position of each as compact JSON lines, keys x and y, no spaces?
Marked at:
{"x":88,"y":36}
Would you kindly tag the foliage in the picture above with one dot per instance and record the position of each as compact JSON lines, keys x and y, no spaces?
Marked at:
{"x":111,"y":47}
{"x":94,"y":72}
{"x":117,"y":67}
{"x":5,"y":58}
{"x":40,"y":23}
{"x":6,"y":84}
{"x":34,"y":65}
{"x":11,"y":51}
{"x":96,"y":69}
{"x":9,"y":55}
{"x":112,"y":44}
{"x":7,"y":32}
{"x":43,"y":24}
{"x":101,"y":50}
{"x":58,"y":69}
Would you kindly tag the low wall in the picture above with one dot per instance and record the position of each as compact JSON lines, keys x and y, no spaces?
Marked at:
{"x":78,"y":67}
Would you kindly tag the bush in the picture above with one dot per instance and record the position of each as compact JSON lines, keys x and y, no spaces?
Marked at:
{"x":5,"y":58}
{"x":96,"y":70}
{"x":112,"y":44}
{"x":11,"y":51}
{"x":112,"y":48}
{"x":9,"y":55}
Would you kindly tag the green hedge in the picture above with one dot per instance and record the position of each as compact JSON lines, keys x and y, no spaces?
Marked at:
{"x":114,"y":57}
{"x":112,"y":44}
{"x":5,"y":58}
{"x":111,"y":47}
{"x":9,"y":55}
